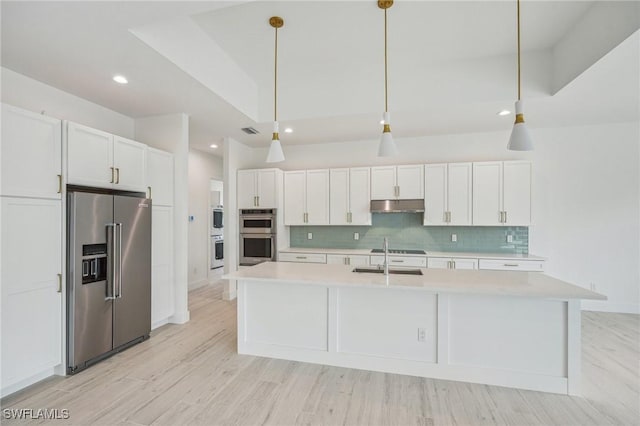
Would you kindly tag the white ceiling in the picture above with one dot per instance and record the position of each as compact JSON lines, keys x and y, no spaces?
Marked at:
{"x":451,"y":65}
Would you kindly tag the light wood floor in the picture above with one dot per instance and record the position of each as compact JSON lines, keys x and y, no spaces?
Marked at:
{"x":191,"y":374}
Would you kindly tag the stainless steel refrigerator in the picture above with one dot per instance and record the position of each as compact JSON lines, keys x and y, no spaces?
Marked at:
{"x":109,"y":275}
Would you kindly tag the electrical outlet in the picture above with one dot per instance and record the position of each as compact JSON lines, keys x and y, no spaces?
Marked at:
{"x":309,"y":236}
{"x":356,"y":236}
{"x":422,"y":335}
{"x":454,"y":238}
{"x":509,"y":238}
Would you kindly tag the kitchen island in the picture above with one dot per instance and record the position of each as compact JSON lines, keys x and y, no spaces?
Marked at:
{"x":514,"y":329}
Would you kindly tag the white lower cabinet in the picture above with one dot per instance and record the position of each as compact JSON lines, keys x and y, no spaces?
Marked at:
{"x":400,"y":261}
{"x":512,"y":265}
{"x":302,"y":257}
{"x":344,"y":259}
{"x":452,"y":263}
{"x":31,"y":265}
{"x":162,"y":278}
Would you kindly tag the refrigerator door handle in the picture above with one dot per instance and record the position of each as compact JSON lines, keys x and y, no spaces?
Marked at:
{"x":119,"y":227}
{"x":111,"y":255}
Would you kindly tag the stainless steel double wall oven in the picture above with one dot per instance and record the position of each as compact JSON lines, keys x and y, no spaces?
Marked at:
{"x":258,"y":229}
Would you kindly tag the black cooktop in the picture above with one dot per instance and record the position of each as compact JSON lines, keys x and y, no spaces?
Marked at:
{"x":398,"y":251}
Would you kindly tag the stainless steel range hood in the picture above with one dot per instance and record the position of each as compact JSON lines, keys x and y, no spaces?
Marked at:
{"x":397,"y":206}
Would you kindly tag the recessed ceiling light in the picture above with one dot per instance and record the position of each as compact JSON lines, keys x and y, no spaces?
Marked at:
{"x":504,"y":112}
{"x":120,"y":79}
{"x":288,"y":130}
{"x":213,"y":145}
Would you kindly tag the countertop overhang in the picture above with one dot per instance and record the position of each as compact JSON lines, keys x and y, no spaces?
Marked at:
{"x":479,"y":282}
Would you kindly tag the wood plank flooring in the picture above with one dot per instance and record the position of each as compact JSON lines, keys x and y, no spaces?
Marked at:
{"x":191,"y":374}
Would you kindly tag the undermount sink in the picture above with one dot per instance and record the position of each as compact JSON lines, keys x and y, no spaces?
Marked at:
{"x":391,"y":271}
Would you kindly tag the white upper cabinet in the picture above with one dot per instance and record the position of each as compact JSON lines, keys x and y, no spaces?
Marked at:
{"x":350,"y":196}
{"x":31,"y":154}
{"x":397,"y":182}
{"x":502,"y":193}
{"x":258,"y":188}
{"x":517,"y":193}
{"x":306,"y":197}
{"x":129,"y":161}
{"x":89,"y":157}
{"x":160,"y":166}
{"x":447,"y":194}
{"x":99,"y":159}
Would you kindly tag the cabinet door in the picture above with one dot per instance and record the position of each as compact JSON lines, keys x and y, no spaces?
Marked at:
{"x":339,"y":196}
{"x":130,"y":161}
{"x":459,"y":263}
{"x":435,"y":194}
{"x":31,"y":304}
{"x":89,"y":157}
{"x":517,"y":193}
{"x":31,"y":151}
{"x":267,"y":189}
{"x":358,"y":260}
{"x":487,"y":193}
{"x":294,"y":197}
{"x":247,"y":191}
{"x":317,"y":197}
{"x":161,"y":263}
{"x":360,"y":196}
{"x":337,"y":259}
{"x":459,"y":189}
{"x":160,"y":176}
{"x":410,"y":181}
{"x":383,"y":183}
{"x":438,"y":263}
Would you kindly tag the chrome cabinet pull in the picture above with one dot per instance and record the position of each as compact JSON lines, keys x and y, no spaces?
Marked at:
{"x":397,"y":261}
{"x":59,"y":283}
{"x":117,"y":175}
{"x":113,"y":176}
{"x":59,"y":184}
{"x":301,"y":257}
{"x":505,"y":217}
{"x":513,"y":265}
{"x":454,"y":264}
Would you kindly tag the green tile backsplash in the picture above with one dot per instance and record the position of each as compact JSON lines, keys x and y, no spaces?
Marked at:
{"x":405,"y":231}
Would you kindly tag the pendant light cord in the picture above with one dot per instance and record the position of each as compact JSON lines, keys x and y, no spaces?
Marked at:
{"x":518,"y":13}
{"x":386,"y":102}
{"x":275,"y":82}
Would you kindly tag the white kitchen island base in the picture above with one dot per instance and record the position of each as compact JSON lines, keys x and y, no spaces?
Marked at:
{"x":506,"y":340}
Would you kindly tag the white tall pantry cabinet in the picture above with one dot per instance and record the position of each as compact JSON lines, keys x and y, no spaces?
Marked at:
{"x":160,"y":167}
{"x":31,"y":248}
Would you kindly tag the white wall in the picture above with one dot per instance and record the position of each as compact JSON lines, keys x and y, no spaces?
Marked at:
{"x":586,"y":195}
{"x":24,"y":92}
{"x":171,"y":133}
{"x":202,"y":168}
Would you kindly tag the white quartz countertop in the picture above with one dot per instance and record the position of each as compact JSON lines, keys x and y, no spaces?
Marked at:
{"x":367,"y":252}
{"x":503,"y":283}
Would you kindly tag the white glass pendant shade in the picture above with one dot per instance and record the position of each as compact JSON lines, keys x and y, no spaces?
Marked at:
{"x":275,"y":154}
{"x":520,"y":139}
{"x":387,"y":147}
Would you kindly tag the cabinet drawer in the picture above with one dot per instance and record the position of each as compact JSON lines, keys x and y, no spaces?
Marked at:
{"x":302,"y":257}
{"x":401,"y":261}
{"x":512,"y":265}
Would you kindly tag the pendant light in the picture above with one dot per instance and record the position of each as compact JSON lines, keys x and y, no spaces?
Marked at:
{"x":520,"y":139}
{"x":275,"y":154}
{"x":387,"y":147}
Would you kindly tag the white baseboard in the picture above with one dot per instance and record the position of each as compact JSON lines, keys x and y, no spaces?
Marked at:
{"x":621,"y":308}
{"x":159,"y":323}
{"x":180,"y":318}
{"x":197,"y":284}
{"x":15,"y":387}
